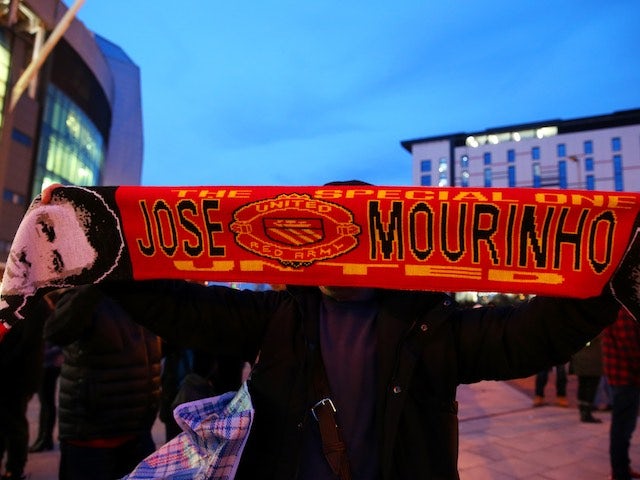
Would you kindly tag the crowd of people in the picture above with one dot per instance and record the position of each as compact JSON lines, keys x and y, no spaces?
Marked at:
{"x":88,"y":343}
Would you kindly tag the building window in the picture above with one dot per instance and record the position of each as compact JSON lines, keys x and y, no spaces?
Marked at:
{"x":71,"y":149}
{"x":511,"y":171}
{"x":588,"y":147}
{"x":535,"y":153}
{"x":588,"y":164}
{"x":591,"y":182}
{"x":487,"y":177}
{"x":562,"y":150}
{"x":562,"y":174}
{"x":537,"y":176}
{"x":425,"y":180}
{"x":616,"y":144}
{"x":617,"y":173}
{"x":425,"y":166}
{"x":511,"y":155}
{"x":486,"y":158}
{"x":464,"y":178}
{"x":443,"y":172}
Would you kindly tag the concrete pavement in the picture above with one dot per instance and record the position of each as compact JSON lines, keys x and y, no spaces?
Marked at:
{"x":501,"y":438}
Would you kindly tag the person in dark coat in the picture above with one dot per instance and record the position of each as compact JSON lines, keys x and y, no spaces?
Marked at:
{"x":394,"y":360}
{"x":109,"y":390}
{"x":586,"y":364}
{"x":621,"y":363}
{"x":20,"y":374}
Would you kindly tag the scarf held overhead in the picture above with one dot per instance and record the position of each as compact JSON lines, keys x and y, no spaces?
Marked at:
{"x":539,"y":241}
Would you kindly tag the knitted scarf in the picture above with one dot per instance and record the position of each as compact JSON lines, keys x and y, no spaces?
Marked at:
{"x":534,"y":241}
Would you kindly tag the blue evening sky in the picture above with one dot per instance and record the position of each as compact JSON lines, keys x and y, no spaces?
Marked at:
{"x":283,"y":92}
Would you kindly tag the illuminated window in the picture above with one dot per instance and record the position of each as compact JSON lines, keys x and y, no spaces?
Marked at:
{"x":71,"y":149}
{"x":443,"y":170}
{"x":464,"y":178}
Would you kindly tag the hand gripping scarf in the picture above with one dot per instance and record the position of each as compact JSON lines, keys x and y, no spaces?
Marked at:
{"x":536,"y":241}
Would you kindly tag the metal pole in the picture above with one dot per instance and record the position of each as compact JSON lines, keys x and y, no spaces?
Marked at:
{"x":32,"y":69}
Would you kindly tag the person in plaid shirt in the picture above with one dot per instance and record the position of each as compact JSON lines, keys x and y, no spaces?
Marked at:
{"x":621,"y":362}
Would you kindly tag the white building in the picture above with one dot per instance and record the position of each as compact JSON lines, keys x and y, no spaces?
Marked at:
{"x":592,"y":153}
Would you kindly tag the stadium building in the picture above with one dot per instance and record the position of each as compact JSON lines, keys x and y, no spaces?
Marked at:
{"x":79,"y":119}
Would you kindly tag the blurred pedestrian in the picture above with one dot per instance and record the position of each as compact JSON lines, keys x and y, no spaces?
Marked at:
{"x":20,"y":374}
{"x":621,"y":359}
{"x":109,"y":386}
{"x":541,"y":380}
{"x":47,"y":397}
{"x":586,"y":364}
{"x":47,"y":390}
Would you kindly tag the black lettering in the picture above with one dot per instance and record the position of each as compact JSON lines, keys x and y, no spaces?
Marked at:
{"x":421,"y":210}
{"x":185,"y":207}
{"x":479,"y":234}
{"x":572,"y":238}
{"x":148,"y":249}
{"x":444,"y":220}
{"x":528,"y":235}
{"x":212,"y":227}
{"x":609,"y":220}
{"x":162,"y":207}
{"x":390,"y":239}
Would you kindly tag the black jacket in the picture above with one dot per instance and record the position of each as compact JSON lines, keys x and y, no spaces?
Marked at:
{"x":110,"y":376}
{"x":427,"y":346}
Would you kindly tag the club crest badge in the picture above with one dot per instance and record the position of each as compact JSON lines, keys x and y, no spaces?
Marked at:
{"x":295,"y":229}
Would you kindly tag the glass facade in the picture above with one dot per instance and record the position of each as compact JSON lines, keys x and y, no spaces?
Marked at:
{"x":71,"y":149}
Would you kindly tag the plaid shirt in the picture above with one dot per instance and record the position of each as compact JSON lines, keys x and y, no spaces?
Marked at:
{"x":215,"y":431}
{"x":621,"y":351}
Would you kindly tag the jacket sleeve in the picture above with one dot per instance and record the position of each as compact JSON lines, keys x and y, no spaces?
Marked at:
{"x":499,"y":343}
{"x":217,"y":319}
